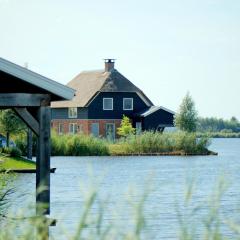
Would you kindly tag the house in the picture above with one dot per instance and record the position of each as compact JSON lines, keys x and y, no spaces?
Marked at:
{"x":102,"y":98}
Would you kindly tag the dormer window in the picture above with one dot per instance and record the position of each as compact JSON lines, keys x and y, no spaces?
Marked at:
{"x":107,"y":103}
{"x":128,"y":104}
{"x":72,"y":112}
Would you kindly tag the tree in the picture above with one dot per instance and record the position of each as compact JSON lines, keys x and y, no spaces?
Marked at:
{"x":10,"y":123}
{"x":186,"y":119}
{"x":126,"y":127}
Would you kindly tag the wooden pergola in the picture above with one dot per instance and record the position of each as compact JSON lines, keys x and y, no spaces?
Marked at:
{"x":30,"y":94}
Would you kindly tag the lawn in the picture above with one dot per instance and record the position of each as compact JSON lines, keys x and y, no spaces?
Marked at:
{"x":8,"y":163}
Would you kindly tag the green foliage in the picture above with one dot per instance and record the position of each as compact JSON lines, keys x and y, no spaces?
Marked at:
{"x":218,"y":125}
{"x":145,"y":143}
{"x":21,"y":143}
{"x":78,"y":145}
{"x":126,"y":127}
{"x":154,"y":142}
{"x":12,"y":151}
{"x":10,"y":123}
{"x":186,"y":118}
{"x":221,"y":134}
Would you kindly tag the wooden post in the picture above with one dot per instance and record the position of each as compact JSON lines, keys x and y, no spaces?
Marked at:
{"x":43,"y":162}
{"x":29,"y":144}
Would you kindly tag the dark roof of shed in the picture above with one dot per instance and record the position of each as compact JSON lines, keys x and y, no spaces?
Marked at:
{"x":152,"y":110}
{"x":89,"y":83}
{"x":31,"y":81}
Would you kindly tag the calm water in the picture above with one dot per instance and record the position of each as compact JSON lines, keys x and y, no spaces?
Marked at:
{"x":168,"y":177}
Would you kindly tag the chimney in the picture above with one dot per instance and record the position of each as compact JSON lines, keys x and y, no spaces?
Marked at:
{"x":109,"y":64}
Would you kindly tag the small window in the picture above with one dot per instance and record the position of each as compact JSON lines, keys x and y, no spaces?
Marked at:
{"x":60,"y":128}
{"x":72,"y":112}
{"x":127,"y":104}
{"x":72,"y":128}
{"x":80,"y":128}
{"x":138,"y":127}
{"x":107,"y":104}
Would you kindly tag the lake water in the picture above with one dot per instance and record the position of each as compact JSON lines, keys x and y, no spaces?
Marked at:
{"x":168,"y":177}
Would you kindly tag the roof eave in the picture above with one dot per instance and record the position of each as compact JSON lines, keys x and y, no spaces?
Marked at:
{"x":156,"y":109}
{"x":60,"y":90}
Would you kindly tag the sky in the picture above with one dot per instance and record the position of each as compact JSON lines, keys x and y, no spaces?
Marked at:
{"x":166,"y":48}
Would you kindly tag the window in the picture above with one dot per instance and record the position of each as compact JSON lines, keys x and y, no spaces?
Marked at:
{"x":107,"y":104}
{"x":60,"y":128}
{"x":72,"y":112}
{"x":72,"y":128}
{"x":80,"y":128}
{"x":110,"y":131}
{"x":127,"y":104}
{"x":138,"y":127}
{"x":95,"y":129}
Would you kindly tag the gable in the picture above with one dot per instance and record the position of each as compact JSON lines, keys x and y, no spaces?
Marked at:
{"x":90,"y":83}
{"x":95,"y":108}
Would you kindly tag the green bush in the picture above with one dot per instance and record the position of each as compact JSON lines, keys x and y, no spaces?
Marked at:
{"x":21,"y":143}
{"x":12,"y":151}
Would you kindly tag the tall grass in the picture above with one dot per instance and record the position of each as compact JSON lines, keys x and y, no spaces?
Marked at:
{"x":5,"y":192}
{"x":145,"y":143}
{"x":151,"y":142}
{"x":91,"y":223}
{"x":204,"y":221}
{"x":78,"y":145}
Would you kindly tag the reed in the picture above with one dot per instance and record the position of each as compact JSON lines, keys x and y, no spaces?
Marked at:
{"x":78,"y":145}
{"x":152,"y":142}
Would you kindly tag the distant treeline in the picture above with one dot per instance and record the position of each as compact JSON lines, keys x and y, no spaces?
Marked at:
{"x":218,"y":125}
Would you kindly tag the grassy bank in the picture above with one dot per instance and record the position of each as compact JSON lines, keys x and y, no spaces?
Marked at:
{"x":7,"y":163}
{"x":147,"y":143}
{"x":219,"y":134}
{"x":180,"y":143}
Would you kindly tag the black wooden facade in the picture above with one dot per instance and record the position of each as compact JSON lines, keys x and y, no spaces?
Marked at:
{"x":109,"y":83}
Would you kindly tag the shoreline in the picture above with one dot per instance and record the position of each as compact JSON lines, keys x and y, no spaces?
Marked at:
{"x":209,"y":153}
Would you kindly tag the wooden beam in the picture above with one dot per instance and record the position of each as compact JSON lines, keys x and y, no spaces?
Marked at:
{"x":27,"y":117}
{"x":43,"y":162}
{"x":24,"y":100}
{"x":29,"y":144}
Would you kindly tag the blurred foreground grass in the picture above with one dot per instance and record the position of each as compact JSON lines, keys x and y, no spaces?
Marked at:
{"x":195,"y":221}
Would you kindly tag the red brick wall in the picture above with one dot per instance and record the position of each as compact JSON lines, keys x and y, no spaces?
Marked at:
{"x":86,"y":125}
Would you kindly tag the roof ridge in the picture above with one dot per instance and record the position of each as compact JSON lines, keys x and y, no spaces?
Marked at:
{"x":94,"y":70}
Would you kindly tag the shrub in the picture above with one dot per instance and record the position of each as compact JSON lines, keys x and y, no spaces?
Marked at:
{"x":12,"y":151}
{"x":126,"y":127}
{"x":21,"y":143}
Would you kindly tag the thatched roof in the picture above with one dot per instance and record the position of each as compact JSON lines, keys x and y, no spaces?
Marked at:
{"x":89,"y":84}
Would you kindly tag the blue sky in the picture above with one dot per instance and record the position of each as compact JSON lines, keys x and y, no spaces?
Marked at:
{"x":164,"y":47}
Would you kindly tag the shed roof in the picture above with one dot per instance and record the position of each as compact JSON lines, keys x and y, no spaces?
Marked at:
{"x":153,"y":109}
{"x":89,"y":84}
{"x":59,"y":91}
